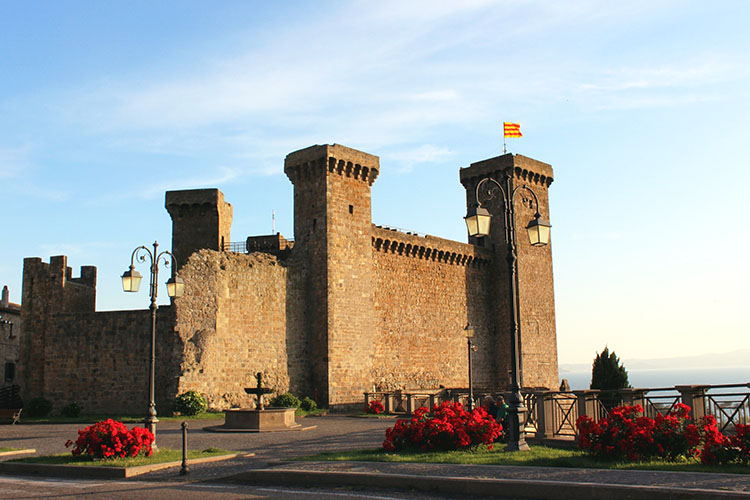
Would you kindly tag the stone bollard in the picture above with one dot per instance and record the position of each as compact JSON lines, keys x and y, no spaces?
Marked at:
{"x":184,"y":468}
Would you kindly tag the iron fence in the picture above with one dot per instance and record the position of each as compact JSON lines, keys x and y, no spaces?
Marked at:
{"x":552,"y":414}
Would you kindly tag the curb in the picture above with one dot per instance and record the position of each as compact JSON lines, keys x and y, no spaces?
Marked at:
{"x":98,"y":471}
{"x":516,"y":488}
{"x":17,"y":452}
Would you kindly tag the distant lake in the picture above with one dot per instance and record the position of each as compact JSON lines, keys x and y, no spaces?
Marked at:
{"x":667,"y":378}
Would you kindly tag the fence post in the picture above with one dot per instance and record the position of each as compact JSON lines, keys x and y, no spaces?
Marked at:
{"x":587,"y":403}
{"x":367,"y":402}
{"x":545,"y":421}
{"x":694,"y":397}
{"x":409,"y":403}
{"x":631,"y":397}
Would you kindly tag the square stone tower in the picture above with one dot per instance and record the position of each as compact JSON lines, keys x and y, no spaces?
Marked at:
{"x":536,"y":302}
{"x":200,"y":219}
{"x":333,"y":238}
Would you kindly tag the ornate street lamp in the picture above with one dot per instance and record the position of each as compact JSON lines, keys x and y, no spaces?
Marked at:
{"x":478,"y":224}
{"x":131,"y":281}
{"x":469,"y":332}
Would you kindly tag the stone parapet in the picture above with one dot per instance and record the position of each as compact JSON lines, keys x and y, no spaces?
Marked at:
{"x":428,"y":247}
{"x":332,"y":158}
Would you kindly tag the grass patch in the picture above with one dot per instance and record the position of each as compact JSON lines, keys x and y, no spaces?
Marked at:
{"x":299,"y":412}
{"x":5,"y":448}
{"x":126,"y":419}
{"x":163,"y":455}
{"x":539,"y":456}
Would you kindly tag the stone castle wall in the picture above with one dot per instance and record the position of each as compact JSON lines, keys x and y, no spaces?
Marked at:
{"x":100,"y":360}
{"x":350,"y":307}
{"x":240,"y":315}
{"x":427,"y":289}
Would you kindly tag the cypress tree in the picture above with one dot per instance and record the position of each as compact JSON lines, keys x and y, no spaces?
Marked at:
{"x":608,"y":374}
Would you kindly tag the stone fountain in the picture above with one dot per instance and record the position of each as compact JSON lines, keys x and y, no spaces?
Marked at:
{"x":261,"y":418}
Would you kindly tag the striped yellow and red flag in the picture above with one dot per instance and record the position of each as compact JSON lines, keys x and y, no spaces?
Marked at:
{"x":512,"y":130}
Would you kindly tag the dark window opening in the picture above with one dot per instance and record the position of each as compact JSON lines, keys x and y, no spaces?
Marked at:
{"x":315,"y":223}
{"x":10,"y":371}
{"x":351,"y":209}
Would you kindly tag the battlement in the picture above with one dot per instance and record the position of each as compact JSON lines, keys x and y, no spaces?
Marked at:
{"x":51,"y":286}
{"x":57,"y":269}
{"x":332,"y":158}
{"x":429,"y":248}
{"x":527,"y":169}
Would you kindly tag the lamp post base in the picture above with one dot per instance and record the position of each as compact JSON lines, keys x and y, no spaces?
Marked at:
{"x":517,"y":428}
{"x":150,"y":424}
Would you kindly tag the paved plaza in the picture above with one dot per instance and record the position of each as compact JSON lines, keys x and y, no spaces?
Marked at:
{"x":264,"y":460}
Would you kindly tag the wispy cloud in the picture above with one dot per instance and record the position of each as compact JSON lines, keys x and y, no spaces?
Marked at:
{"x":407,"y":160}
{"x":649,"y":77}
{"x":222,"y":176}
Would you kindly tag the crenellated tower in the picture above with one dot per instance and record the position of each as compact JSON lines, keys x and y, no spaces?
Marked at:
{"x":48,"y":289}
{"x":333,"y":234}
{"x":537,"y":333}
{"x":200,"y":219}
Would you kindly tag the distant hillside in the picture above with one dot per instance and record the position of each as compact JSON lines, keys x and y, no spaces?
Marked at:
{"x":733,"y":359}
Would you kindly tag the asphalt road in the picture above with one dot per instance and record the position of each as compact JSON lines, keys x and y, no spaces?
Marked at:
{"x":16,"y":488}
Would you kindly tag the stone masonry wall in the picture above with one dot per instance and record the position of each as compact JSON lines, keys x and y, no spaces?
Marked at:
{"x":48,"y":289}
{"x":237,"y":318}
{"x":426,"y":290}
{"x":100,"y":361}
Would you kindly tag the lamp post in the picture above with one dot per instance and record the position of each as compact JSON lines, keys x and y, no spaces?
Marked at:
{"x":131,"y":281}
{"x":478,"y":223}
{"x":469,"y":332}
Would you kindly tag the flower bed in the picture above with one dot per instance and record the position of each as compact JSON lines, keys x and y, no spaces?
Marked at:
{"x":626,"y":435}
{"x":450,"y":427}
{"x":375,"y":407}
{"x":112,"y":439}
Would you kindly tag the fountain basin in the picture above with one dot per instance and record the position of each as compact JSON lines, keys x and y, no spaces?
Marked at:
{"x":269,"y":419}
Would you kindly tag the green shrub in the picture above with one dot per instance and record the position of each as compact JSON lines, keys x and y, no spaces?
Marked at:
{"x":286,"y":400}
{"x":72,"y":410}
{"x":308,"y":404}
{"x":38,"y":407}
{"x":608,"y":375}
{"x":190,"y":403}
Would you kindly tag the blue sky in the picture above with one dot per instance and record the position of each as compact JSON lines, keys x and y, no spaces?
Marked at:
{"x":641,"y":108}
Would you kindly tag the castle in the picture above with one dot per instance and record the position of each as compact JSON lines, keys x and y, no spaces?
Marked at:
{"x":347,"y":307}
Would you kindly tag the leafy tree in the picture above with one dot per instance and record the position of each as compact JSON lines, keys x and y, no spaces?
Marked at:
{"x":608,"y":374}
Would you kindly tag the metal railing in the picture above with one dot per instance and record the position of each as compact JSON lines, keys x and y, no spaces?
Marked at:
{"x":553,"y":414}
{"x":729,"y":406}
{"x":241,"y":246}
{"x":235,"y":247}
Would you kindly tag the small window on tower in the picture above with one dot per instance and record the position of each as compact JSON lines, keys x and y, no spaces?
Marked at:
{"x":10,"y":371}
{"x":351,"y":209}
